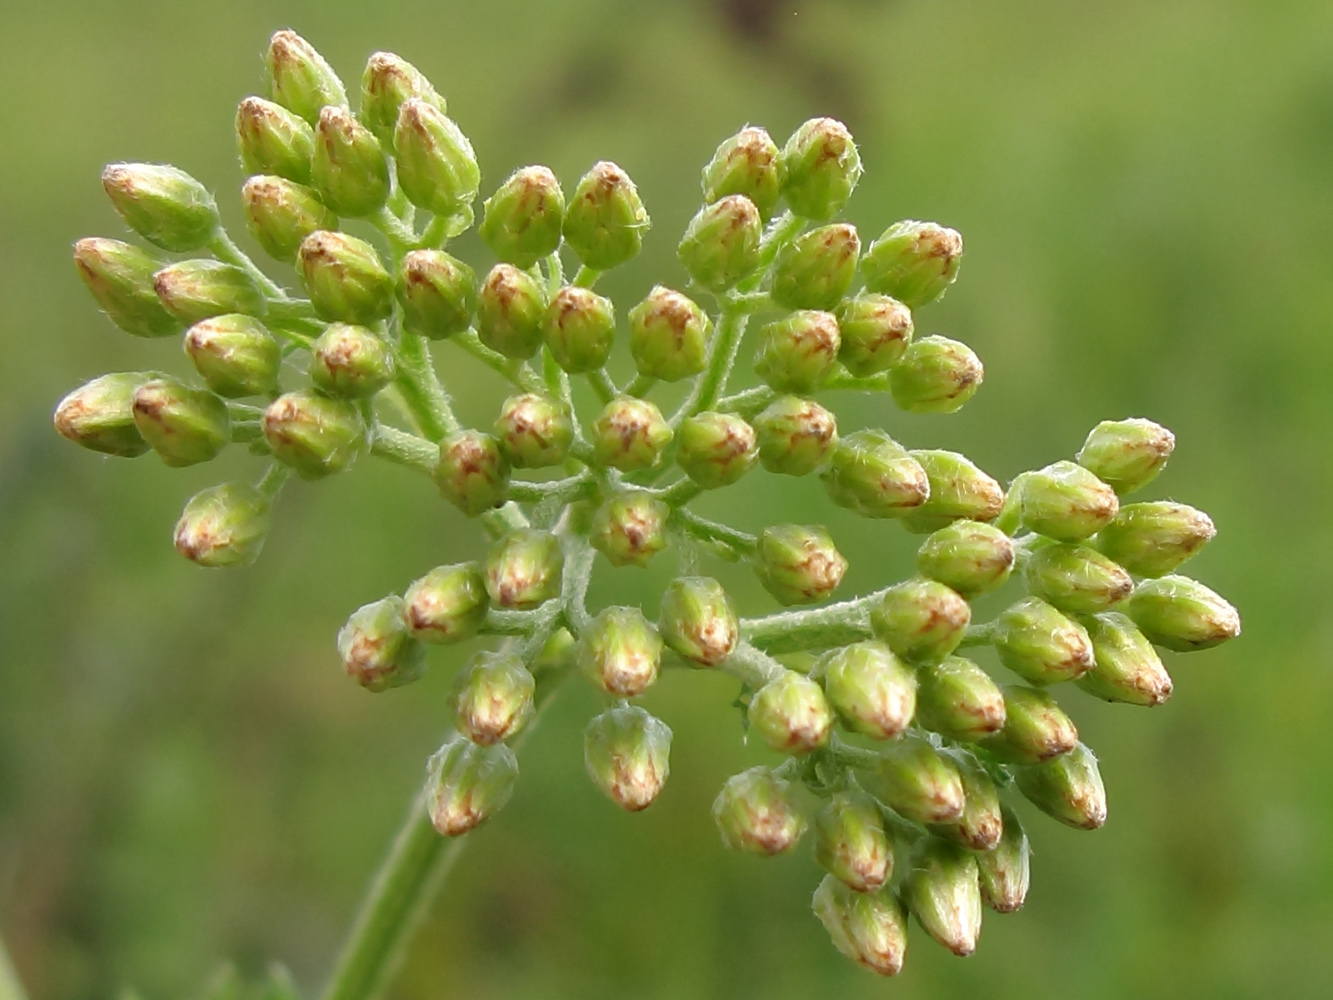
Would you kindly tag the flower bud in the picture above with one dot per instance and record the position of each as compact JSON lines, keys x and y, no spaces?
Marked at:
{"x":280,"y":214}
{"x":510,"y":309}
{"x":472,"y":473}
{"x":1004,"y":870}
{"x":721,"y":244}
{"x":521,"y":221}
{"x":166,"y":206}
{"x":756,"y":812}
{"x":185,"y":426}
{"x":1152,"y":539}
{"x":935,"y":375}
{"x":716,"y":449}
{"x":315,"y":435}
{"x":223,"y":526}
{"x":438,"y":294}
{"x":492,"y":697}
{"x":523,"y":569}
{"x":791,"y":715}
{"x":299,"y":78}
{"x":620,"y":651}
{"x":99,"y":415}
{"x":981,"y":824}
{"x":815,"y":270}
{"x":958,"y":700}
{"x":556,"y":654}
{"x":579,"y":327}
{"x":1076,"y":578}
{"x":235,"y":354}
{"x":958,"y":491}
{"x":351,"y":362}
{"x":1178,"y":613}
{"x":534,"y":431}
{"x":871,"y":690}
{"x":698,"y":620}
{"x":874,"y":330}
{"x":796,"y":354}
{"x":387,"y":82}
{"x":344,"y":278}
{"x":944,"y":895}
{"x":437,"y":168}
{"x":192,"y":290}
{"x":1068,"y":788}
{"x":917,"y":781}
{"x":867,"y":927}
{"x":468,"y":784}
{"x":820,"y":168}
{"x":447,"y":605}
{"x":1035,"y":728}
{"x":273,"y":141}
{"x":605,"y":221}
{"x":628,"y":755}
{"x":921,"y":619}
{"x":629,"y":434}
{"x":850,"y":843}
{"x":915,"y":262}
{"x":1127,"y":667}
{"x":348,"y":169}
{"x":1040,"y":644}
{"x":1127,"y":454}
{"x":1066,"y":502}
{"x":668,"y":335}
{"x":970,"y":557}
{"x":794,"y":435}
{"x":747,"y":164}
{"x":376,"y":649}
{"x":630,"y":528}
{"x":798,"y":564}
{"x":873,"y":475}
{"x":120,"y":276}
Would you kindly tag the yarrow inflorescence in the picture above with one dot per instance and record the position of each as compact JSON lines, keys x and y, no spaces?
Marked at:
{"x":903,"y":756}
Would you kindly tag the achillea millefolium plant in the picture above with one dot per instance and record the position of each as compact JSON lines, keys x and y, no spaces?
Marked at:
{"x":902,"y":753}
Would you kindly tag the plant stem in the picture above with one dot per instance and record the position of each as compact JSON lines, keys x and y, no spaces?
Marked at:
{"x":602,"y":385}
{"x":739,"y":542}
{"x":420,"y":388}
{"x":225,"y":250}
{"x":835,"y":625}
{"x":730,"y":327}
{"x":515,"y":372}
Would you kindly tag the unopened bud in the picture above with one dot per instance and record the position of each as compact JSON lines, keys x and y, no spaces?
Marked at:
{"x":867,"y":927}
{"x":915,"y":262}
{"x":223,"y":526}
{"x":958,"y":491}
{"x":1076,"y":578}
{"x":629,"y":434}
{"x":472,"y":473}
{"x":1040,"y":644}
{"x":716,"y":449}
{"x":523,"y":569}
{"x":437,"y":168}
{"x":1127,"y":454}
{"x":796,"y":353}
{"x":698,"y":620}
{"x":791,"y":714}
{"x":344,"y":278}
{"x":280,"y":214}
{"x":447,"y":605}
{"x":99,"y":415}
{"x":917,"y":781}
{"x":620,"y":652}
{"x":815,"y":270}
{"x":875,"y":330}
{"x":872,"y":474}
{"x":185,"y":426}
{"x":921,"y":619}
{"x":944,"y":895}
{"x":235,"y":354}
{"x":299,"y":78}
{"x":1152,"y":539}
{"x":164,"y":205}
{"x":510,"y":310}
{"x":120,"y":276}
{"x":970,"y":557}
{"x":192,"y":290}
{"x":1005,"y":869}
{"x":522,"y":220}
{"x":630,"y":528}
{"x":794,"y":435}
{"x":981,"y":824}
{"x":273,"y":140}
{"x":850,"y":843}
{"x":668,"y":335}
{"x":820,"y":168}
{"x":721,"y":244}
{"x":351,"y":362}
{"x":492,"y":697}
{"x":628,"y":755}
{"x":579,"y":327}
{"x":534,"y":431}
{"x":798,"y":564}
{"x":1068,"y":788}
{"x":871,"y":690}
{"x":314,"y":434}
{"x":348,"y":169}
{"x":387,"y":82}
{"x":935,"y":375}
{"x":1066,"y":502}
{"x":468,"y":784}
{"x":556,"y":654}
{"x":747,"y":164}
{"x":958,"y":700}
{"x":756,"y":812}
{"x":438,"y":294}
{"x":377,"y":650}
{"x":1035,"y":728}
{"x":1178,"y":613}
{"x":605,"y":221}
{"x":1127,"y":668}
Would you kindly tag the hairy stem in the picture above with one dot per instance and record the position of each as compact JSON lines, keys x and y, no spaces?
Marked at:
{"x":516,"y":372}
{"x":225,"y":250}
{"x":404,"y":448}
{"x":420,"y":388}
{"x":739,"y":542}
{"x":835,"y":625}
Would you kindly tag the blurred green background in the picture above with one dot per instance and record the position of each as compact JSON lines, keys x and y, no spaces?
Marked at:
{"x":1146,"y":191}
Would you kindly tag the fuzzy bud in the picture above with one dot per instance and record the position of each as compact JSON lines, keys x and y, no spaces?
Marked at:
{"x":629,"y":434}
{"x":223,"y":526}
{"x":192,"y":290}
{"x":579,"y":328}
{"x":387,"y":82}
{"x":314,"y":434}
{"x":605,"y":221}
{"x":376,"y":649}
{"x":492,"y":697}
{"x":747,"y":164}
{"x":468,"y":784}
{"x":668,"y":335}
{"x":944,"y":895}
{"x":185,"y":426}
{"x":935,"y":375}
{"x":1004,"y":871}
{"x":721,"y":244}
{"x":351,"y":362}
{"x":798,"y":564}
{"x":1035,"y":728}
{"x":716,"y":449}
{"x":1153,"y":539}
{"x":628,"y":755}
{"x":796,"y":353}
{"x":630,"y":528}
{"x":510,"y":308}
{"x":871,"y":690}
{"x":1068,"y":788}
{"x":867,"y":927}
{"x":344,"y":278}
{"x":915,"y":262}
{"x":99,"y":415}
{"x":875,"y":331}
{"x":120,"y":277}
{"x":437,"y":292}
{"x":1178,"y":613}
{"x":1040,"y":644}
{"x":523,"y":569}
{"x":534,"y":431}
{"x":958,"y":491}
{"x":1076,"y":578}
{"x":1127,"y":454}
{"x":472,"y":472}
{"x":273,"y":141}
{"x":791,"y":714}
{"x":522,"y":220}
{"x":820,"y":168}
{"x":348,"y":169}
{"x":958,"y":700}
{"x":164,"y":205}
{"x":437,"y":168}
{"x":280,"y":214}
{"x":235,"y":354}
{"x":1127,"y":668}
{"x":447,"y":605}
{"x":698,"y":620}
{"x":756,"y":812}
{"x":850,"y":843}
{"x":970,"y":557}
{"x":815,"y":270}
{"x":794,"y":435}
{"x":917,"y":781}
{"x":1066,"y":502}
{"x":620,"y":652}
{"x":299,"y":78}
{"x":873,"y":475}
{"x":981,"y":824}
{"x":921,"y":619}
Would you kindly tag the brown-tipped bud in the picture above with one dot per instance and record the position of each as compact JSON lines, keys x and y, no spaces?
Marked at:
{"x":273,"y":140}
{"x":185,"y":426}
{"x":468,"y":784}
{"x":387,"y":82}
{"x":875,"y":330}
{"x":716,"y":449}
{"x":99,"y":415}
{"x":579,"y":327}
{"x":872,"y":474}
{"x":629,"y":434}
{"x":344,"y":278}
{"x":869,"y":928}
{"x":921,"y":619}
{"x":917,"y":781}
{"x":981,"y":824}
{"x":437,"y":168}
{"x":376,"y":649}
{"x":1178,"y":613}
{"x":958,"y":700}
{"x":1040,"y":644}
{"x":1005,"y":869}
{"x":1127,"y":454}
{"x":1066,"y":502}
{"x":747,"y":164}
{"x":796,"y":353}
{"x":794,"y":435}
{"x":351,"y":362}
{"x":944,"y":895}
{"x":472,"y":472}
{"x":280,"y":214}
{"x":1035,"y":728}
{"x":872,"y":691}
{"x":756,"y":812}
{"x":970,"y":557}
{"x":224,"y":526}
{"x":523,"y":569}
{"x":850,"y":843}
{"x":668,"y":335}
{"x":935,"y":375}
{"x":798,"y":564}
{"x":299,"y":78}
{"x":522,"y":219}
{"x":791,"y":714}
{"x":447,"y":605}
{"x":120,"y":276}
{"x":1127,"y":668}
{"x":1076,"y":578}
{"x":1153,"y":539}
{"x":630,"y":528}
{"x":958,"y":491}
{"x":915,"y":262}
{"x":534,"y":431}
{"x":510,"y":308}
{"x":628,"y":755}
{"x":166,"y":206}
{"x":815,"y":270}
{"x":192,"y":290}
{"x":620,"y":652}
{"x":348,"y":169}
{"x":820,"y":168}
{"x":438,"y":294}
{"x":314,"y":434}
{"x":698,"y":620}
{"x":492,"y":697}
{"x":721,"y":244}
{"x":1068,"y":788}
{"x":605,"y":221}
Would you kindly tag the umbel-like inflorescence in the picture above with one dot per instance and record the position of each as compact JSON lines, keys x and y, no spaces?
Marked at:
{"x":902,"y":753}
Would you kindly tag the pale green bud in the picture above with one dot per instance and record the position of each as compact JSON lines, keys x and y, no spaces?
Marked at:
{"x":438,"y":294}
{"x":628,"y":755}
{"x":756,"y":812}
{"x":629,"y":434}
{"x":867,"y":927}
{"x":796,"y":353}
{"x":721,"y":244}
{"x":935,"y":375}
{"x":523,"y":569}
{"x":351,"y":362}
{"x":620,"y":652}
{"x":120,"y":276}
{"x":798,"y":564}
{"x":915,"y":262}
{"x":850,"y":843}
{"x":815,"y":270}
{"x":579,"y":328}
{"x":970,"y":557}
{"x":556,"y":654}
{"x":668,"y":335}
{"x":917,"y":781}
{"x":235,"y":354}
{"x":387,"y":82}
{"x":273,"y":141}
{"x":1068,"y":788}
{"x":1005,"y":869}
{"x":1066,"y":502}
{"x":510,"y":308}
{"x":280,"y":214}
{"x":871,"y":690}
{"x":794,"y":435}
{"x":468,"y":784}
{"x":472,"y":473}
{"x":1127,"y":667}
{"x":185,"y":426}
{"x":314,"y":434}
{"x":1178,"y":613}
{"x":958,"y":700}
{"x":1127,"y":454}
{"x":376,"y":649}
{"x":1035,"y":728}
{"x":348,"y":169}
{"x":1152,"y":539}
{"x":958,"y":491}
{"x":99,"y":415}
{"x":492,"y":697}
{"x":164,"y":205}
{"x":522,"y":219}
{"x":875,"y":330}
{"x":747,"y":164}
{"x":437,"y":168}
{"x":630,"y":528}
{"x":921,"y":619}
{"x":698,"y":620}
{"x":192,"y":290}
{"x":447,"y":605}
{"x":981,"y":824}
{"x":223,"y":526}
{"x":944,"y":895}
{"x":534,"y":431}
{"x":820,"y":168}
{"x":791,"y":714}
{"x":605,"y":221}
{"x":716,"y":449}
{"x":1040,"y":644}
{"x":344,"y":278}
{"x":872,"y":474}
{"x":1076,"y":578}
{"x":299,"y":78}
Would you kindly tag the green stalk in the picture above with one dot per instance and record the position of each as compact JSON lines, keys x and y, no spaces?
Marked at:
{"x":420,"y":388}
{"x":726,"y":342}
{"x":516,"y":372}
{"x":739,"y":542}
{"x":404,"y":449}
{"x":226,"y":250}
{"x":835,"y":625}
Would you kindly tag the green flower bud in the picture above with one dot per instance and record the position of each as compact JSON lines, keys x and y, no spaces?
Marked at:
{"x":850,"y":843}
{"x":1068,"y":788}
{"x":438,"y":294}
{"x":921,"y":619}
{"x":235,"y":354}
{"x":747,"y":164}
{"x":796,"y":354}
{"x":192,"y":290}
{"x":1178,"y":613}
{"x":1040,"y":644}
{"x":970,"y":557}
{"x":628,"y":755}
{"x":344,"y":278}
{"x":510,"y":310}
{"x":629,"y":434}
{"x":791,"y":715}
{"x":756,"y":812}
{"x":120,"y":276}
{"x":523,"y":569}
{"x":1127,"y":454}
{"x":1035,"y":728}
{"x":185,"y":426}
{"x":1066,"y":502}
{"x":815,"y":270}
{"x":376,"y":649}
{"x":820,"y":168}
{"x":875,"y":331}
{"x":981,"y":824}
{"x":273,"y":141}
{"x":716,"y":449}
{"x":387,"y":82}
{"x":869,"y":928}
{"x":468,"y":784}
{"x":798,"y":564}
{"x":944,"y":895}
{"x":472,"y":473}
{"x":281,"y":214}
{"x":605,"y":221}
{"x":794,"y":435}
{"x":1152,"y":539}
{"x":917,"y":781}
{"x":579,"y":327}
{"x":915,"y":262}
{"x":1004,"y":870}
{"x":958,"y":491}
{"x":521,"y":221}
{"x":1076,"y":578}
{"x":447,"y":605}
{"x":958,"y":700}
{"x":299,"y":78}
{"x":315,"y":435}
{"x":534,"y":431}
{"x":871,"y":690}
{"x":224,"y":526}
{"x":630,"y":528}
{"x":873,"y":475}
{"x":166,"y":206}
{"x":437,"y":168}
{"x":492,"y":697}
{"x":348,"y":169}
{"x":1127,"y":667}
{"x":721,"y":244}
{"x":698,"y":620}
{"x":668,"y":335}
{"x":620,"y":651}
{"x":99,"y":415}
{"x":556,"y":654}
{"x":351,"y":362}
{"x":935,"y":375}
